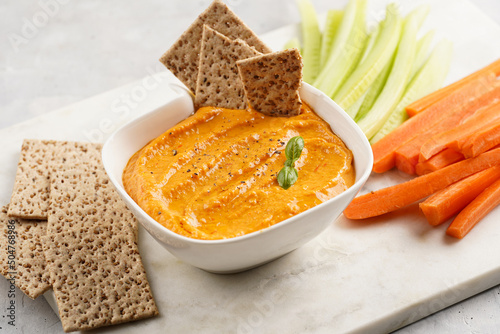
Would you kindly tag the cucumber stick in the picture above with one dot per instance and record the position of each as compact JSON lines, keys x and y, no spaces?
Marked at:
{"x":374,"y":90}
{"x":353,"y":110}
{"x":429,"y":78}
{"x":372,"y":38}
{"x":332,"y":24}
{"x":396,"y":83}
{"x":353,"y":51}
{"x":346,"y":49}
{"x":341,"y":38}
{"x":383,"y":48}
{"x":311,"y":41}
{"x":376,"y":87}
{"x":423,"y":45}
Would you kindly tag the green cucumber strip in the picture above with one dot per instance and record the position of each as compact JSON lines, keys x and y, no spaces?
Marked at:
{"x":341,"y":38}
{"x":429,"y":78}
{"x":374,"y":90}
{"x":372,"y":38}
{"x":397,"y":80}
{"x":364,"y":75}
{"x":339,"y":68}
{"x":397,"y":117}
{"x":294,"y":43}
{"x":311,"y":40}
{"x":376,"y":87}
{"x":358,"y":46}
{"x":332,"y":23}
{"x":423,"y":46}
{"x":354,"y":108}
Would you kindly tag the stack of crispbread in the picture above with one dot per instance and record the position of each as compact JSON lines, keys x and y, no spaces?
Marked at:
{"x":183,"y":56}
{"x":73,"y":233}
{"x":208,"y":57}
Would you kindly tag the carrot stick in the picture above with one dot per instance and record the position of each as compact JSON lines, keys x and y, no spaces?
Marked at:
{"x":407,"y":155}
{"x":475,"y":211}
{"x":438,"y":161}
{"x":481,"y":141}
{"x":488,"y":109}
{"x":392,"y":198}
{"x":384,"y":149}
{"x":444,"y":204}
{"x":425,"y":102}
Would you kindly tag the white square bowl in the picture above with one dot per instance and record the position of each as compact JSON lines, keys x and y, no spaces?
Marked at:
{"x":250,"y":250}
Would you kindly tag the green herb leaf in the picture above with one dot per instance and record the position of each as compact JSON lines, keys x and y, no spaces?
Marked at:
{"x":287,"y":177}
{"x":294,"y":148}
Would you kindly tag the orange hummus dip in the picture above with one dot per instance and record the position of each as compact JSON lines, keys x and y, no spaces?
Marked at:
{"x":214,"y":175}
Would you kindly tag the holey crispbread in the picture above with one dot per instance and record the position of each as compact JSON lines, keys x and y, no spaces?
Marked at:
{"x":91,"y":250}
{"x":272,"y":82}
{"x":98,"y":278}
{"x":218,"y":82}
{"x":30,"y":196}
{"x":183,"y":56}
{"x":87,"y":250}
{"x":21,"y":254}
{"x":82,"y":197}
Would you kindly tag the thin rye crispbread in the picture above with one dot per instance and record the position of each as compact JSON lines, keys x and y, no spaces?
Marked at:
{"x":21,"y":254}
{"x":182,"y":57}
{"x":272,"y":82}
{"x":218,"y":81}
{"x":98,"y":278}
{"x":83,"y":197}
{"x":30,"y":196}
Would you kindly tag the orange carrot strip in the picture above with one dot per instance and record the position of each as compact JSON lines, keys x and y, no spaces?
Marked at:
{"x":407,"y":155}
{"x":384,"y":149}
{"x":392,"y":198}
{"x":475,"y":211}
{"x":447,"y":202}
{"x":481,"y":141}
{"x":438,"y":161}
{"x":487,"y":108}
{"x":425,"y":102}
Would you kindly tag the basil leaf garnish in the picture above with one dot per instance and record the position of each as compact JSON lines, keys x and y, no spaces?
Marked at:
{"x":294,"y":148}
{"x":288,"y":175}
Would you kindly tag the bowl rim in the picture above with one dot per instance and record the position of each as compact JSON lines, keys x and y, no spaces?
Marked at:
{"x":182,"y":93}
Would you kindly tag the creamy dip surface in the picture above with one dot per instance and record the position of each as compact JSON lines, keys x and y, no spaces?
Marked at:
{"x":214,"y":175}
